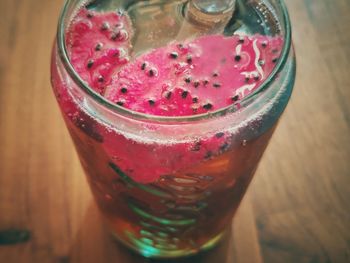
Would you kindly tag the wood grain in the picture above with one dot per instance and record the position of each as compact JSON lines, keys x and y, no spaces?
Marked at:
{"x":297,"y":207}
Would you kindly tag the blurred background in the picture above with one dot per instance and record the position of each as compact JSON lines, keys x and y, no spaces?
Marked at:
{"x":297,"y":207}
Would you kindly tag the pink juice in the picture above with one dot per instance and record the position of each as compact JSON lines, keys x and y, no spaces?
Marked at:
{"x":162,"y":193}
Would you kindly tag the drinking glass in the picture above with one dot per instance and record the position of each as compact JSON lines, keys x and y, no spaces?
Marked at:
{"x":169,"y":186}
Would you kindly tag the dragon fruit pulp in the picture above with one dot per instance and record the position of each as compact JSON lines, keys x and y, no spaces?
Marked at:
{"x":181,"y":79}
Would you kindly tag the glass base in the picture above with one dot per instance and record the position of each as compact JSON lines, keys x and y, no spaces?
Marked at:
{"x":149,"y":251}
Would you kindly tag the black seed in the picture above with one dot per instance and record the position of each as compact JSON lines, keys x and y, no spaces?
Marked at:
{"x":246,"y":79}
{"x":89,"y":15}
{"x":264,"y":44}
{"x":174,"y":55}
{"x":90,"y":63}
{"x":98,"y":46}
{"x":196,"y":147}
{"x":274,"y":60}
{"x":116,"y":54}
{"x":215,"y":74}
{"x":208,"y":155}
{"x":189,"y":59}
{"x":216,"y":85}
{"x":238,"y":58}
{"x":194,"y":99}
{"x":115,"y":35}
{"x":235,"y":98}
{"x":104,"y":26}
{"x":256,"y":77}
{"x":151,"y":72}
{"x":205,"y":82}
{"x":151,"y":102}
{"x":123,"y":90}
{"x":224,"y":147}
{"x":241,"y":40}
{"x":196,"y":84}
{"x":101,"y":79}
{"x":120,"y":103}
{"x":261,"y":62}
{"x":188,"y":80}
{"x":207,"y":106}
{"x":219,"y":135}
{"x":143,"y":66}
{"x":184,"y":94}
{"x":168,"y":95}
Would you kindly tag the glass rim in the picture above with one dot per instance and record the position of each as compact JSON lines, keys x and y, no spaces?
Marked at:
{"x":62,"y":50}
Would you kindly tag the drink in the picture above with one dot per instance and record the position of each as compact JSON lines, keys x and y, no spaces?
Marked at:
{"x":170,"y":153}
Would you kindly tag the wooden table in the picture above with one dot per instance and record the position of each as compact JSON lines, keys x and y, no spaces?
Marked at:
{"x":297,"y":208}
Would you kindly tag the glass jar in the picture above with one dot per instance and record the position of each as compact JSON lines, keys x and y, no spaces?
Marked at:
{"x":169,"y":186}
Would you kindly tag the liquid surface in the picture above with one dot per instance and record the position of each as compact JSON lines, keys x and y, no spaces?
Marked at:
{"x":180,"y":79}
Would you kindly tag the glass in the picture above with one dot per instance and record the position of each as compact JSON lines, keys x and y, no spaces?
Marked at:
{"x":157,"y":196}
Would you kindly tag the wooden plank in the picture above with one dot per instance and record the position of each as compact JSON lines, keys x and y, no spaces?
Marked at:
{"x":300,"y":193}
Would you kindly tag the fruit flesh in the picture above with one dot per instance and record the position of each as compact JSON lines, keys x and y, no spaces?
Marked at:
{"x":195,"y":77}
{"x":181,"y":79}
{"x":98,"y":45}
{"x":187,"y":78}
